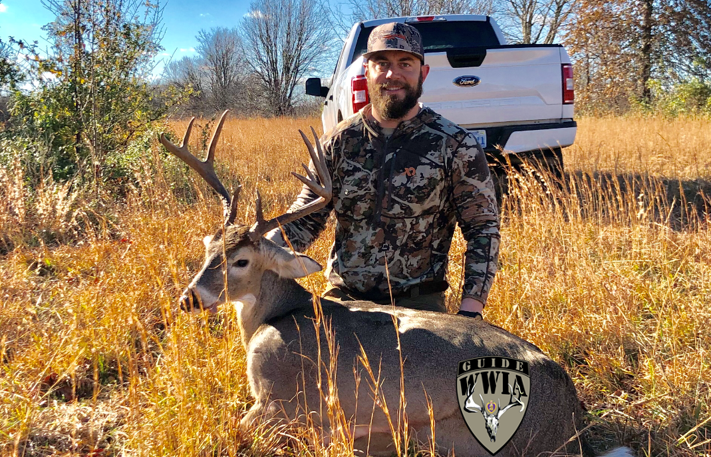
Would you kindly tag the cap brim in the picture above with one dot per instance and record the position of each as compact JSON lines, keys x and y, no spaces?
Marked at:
{"x":368,"y":54}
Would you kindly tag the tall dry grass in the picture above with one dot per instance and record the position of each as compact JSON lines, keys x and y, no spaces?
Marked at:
{"x":674,"y":148}
{"x":608,"y":273}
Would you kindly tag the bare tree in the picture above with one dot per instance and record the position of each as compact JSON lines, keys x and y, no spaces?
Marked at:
{"x":535,"y":21}
{"x":620,"y":47}
{"x":363,"y":10}
{"x":222,"y":64}
{"x":377,"y":9}
{"x":282,"y":40}
{"x":188,"y":76}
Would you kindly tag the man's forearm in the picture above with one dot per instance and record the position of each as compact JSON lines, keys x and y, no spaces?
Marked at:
{"x":478,"y":218}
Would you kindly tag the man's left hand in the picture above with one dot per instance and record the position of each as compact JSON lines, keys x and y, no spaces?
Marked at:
{"x":471,"y":307}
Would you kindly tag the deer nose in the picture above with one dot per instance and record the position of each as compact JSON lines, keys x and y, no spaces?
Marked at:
{"x":190,"y":300}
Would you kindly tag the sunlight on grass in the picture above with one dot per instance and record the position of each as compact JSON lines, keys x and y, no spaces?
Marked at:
{"x":607,"y":272}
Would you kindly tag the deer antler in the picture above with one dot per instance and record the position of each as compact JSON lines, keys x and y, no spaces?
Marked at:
{"x":322,"y":189}
{"x":206,"y":169}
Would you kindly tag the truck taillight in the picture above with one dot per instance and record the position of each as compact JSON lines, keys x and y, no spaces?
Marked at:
{"x":359,"y":89}
{"x":425,"y":18}
{"x":568,"y":85}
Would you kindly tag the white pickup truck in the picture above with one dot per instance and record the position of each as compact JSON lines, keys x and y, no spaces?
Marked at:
{"x":517,"y":100}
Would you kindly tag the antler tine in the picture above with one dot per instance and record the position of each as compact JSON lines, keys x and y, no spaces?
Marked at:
{"x":258,"y":210}
{"x":186,"y":137}
{"x":320,"y":164}
{"x":322,"y":189}
{"x":215,"y":136}
{"x":233,"y":207}
{"x":205,"y":168}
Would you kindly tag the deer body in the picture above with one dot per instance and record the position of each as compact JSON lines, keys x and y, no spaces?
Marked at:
{"x":277,"y":318}
{"x":287,"y":359}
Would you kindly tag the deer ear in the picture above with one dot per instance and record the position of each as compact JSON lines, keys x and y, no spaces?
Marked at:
{"x":288,"y":264}
{"x":299,"y":266}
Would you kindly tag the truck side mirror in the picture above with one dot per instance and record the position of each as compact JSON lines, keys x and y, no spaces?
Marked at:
{"x":314,"y":87}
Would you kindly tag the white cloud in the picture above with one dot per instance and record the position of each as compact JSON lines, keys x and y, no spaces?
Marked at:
{"x":204,"y":14}
{"x":187,"y":49}
{"x":255,"y":14}
{"x":3,"y":8}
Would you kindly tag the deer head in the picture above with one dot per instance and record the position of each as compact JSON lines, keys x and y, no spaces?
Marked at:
{"x":237,"y":255}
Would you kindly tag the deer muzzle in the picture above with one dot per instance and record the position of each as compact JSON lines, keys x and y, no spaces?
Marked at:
{"x":191,"y":301}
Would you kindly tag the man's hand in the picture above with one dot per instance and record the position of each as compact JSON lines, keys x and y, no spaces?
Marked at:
{"x":471,"y":307}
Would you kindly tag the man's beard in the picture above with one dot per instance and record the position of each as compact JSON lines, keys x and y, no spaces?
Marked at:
{"x":390,"y":106}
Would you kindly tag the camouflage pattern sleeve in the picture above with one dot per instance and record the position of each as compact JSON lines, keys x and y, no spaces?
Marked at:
{"x":478,"y":217}
{"x":303,"y":232}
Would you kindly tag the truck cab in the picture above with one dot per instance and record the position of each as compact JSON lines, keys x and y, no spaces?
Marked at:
{"x":517,"y":100}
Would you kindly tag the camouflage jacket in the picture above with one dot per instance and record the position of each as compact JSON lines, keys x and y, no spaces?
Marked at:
{"x":397,"y":201}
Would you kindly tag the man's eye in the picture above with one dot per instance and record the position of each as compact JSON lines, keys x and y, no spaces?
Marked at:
{"x":242,"y":263}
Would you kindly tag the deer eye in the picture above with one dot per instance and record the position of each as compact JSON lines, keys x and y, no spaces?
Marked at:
{"x":241,"y":263}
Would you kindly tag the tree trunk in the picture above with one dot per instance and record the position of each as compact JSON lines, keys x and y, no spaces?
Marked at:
{"x":646,"y":50}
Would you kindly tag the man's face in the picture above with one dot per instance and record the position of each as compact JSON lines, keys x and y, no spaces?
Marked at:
{"x":394,"y":82}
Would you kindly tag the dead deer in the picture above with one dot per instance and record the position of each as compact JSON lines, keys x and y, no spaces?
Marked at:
{"x":276,"y":318}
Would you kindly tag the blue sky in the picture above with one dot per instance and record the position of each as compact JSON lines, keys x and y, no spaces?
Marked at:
{"x":182,"y":19}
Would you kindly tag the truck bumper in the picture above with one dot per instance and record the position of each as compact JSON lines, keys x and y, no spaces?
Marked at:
{"x":530,"y":137}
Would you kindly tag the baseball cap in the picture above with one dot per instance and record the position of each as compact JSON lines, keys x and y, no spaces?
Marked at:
{"x":395,"y":36}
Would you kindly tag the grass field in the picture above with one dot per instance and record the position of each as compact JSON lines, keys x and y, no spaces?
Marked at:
{"x":609,"y":273}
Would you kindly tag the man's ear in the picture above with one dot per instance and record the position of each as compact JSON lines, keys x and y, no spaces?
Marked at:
{"x":424,"y":71}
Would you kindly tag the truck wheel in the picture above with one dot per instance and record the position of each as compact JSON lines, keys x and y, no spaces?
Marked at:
{"x":550,"y":160}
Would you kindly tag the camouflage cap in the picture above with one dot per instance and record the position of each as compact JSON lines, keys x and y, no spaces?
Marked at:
{"x":395,"y":36}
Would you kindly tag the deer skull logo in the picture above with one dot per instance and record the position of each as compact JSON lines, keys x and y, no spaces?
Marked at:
{"x":482,"y":384}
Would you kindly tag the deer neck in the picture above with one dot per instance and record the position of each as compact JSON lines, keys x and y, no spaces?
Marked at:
{"x":277,"y":297}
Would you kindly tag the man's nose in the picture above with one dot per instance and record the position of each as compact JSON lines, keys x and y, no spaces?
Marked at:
{"x":392,"y":74}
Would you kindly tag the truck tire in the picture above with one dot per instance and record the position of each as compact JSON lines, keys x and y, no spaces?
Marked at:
{"x":550,"y":160}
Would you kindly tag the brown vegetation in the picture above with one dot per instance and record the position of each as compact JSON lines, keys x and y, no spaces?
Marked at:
{"x":608,"y":273}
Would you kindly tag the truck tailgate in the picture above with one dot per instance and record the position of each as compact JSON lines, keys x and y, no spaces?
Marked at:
{"x":516,"y":84}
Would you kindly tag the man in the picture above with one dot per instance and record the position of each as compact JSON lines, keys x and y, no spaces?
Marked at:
{"x":403,"y":176}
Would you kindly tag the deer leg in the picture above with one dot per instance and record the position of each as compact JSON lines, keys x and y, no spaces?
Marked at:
{"x":254,"y":415}
{"x":261,"y":412}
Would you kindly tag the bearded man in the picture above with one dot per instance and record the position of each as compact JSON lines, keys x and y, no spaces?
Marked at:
{"x":403,"y":177}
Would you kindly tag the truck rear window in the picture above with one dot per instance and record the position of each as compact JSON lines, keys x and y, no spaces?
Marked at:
{"x":442,"y":36}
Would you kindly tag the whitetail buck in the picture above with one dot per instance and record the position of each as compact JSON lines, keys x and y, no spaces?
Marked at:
{"x":277,"y":316}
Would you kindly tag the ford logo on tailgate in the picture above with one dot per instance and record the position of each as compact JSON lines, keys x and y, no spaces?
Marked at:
{"x":467,"y":81}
